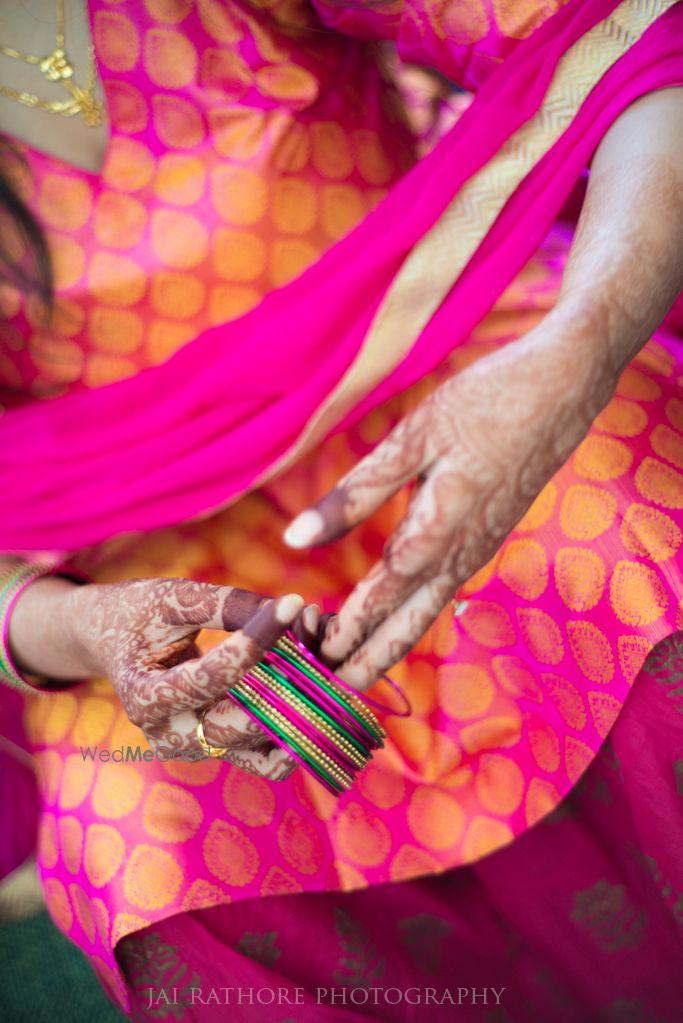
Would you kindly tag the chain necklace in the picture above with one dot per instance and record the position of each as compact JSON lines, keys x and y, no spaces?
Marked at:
{"x":56,"y":67}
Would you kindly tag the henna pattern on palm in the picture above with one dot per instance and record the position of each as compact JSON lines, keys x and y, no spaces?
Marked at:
{"x":142,"y":634}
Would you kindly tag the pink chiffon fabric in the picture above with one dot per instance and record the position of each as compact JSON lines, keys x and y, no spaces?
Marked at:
{"x":174,"y":442}
{"x":514,"y":697}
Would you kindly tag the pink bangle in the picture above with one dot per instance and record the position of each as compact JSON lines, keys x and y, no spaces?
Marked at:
{"x":12,"y":585}
{"x":321,"y":720}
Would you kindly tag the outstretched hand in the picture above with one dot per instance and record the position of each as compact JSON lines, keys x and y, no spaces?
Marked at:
{"x":484,"y":444}
{"x":481,"y":447}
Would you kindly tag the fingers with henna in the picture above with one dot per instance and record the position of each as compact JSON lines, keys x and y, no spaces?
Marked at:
{"x":375,"y":596}
{"x":225,"y":726}
{"x":324,"y":627}
{"x":207,"y":605}
{"x":412,"y":557}
{"x":397,"y":634}
{"x":235,"y":729}
{"x":201,"y":682}
{"x":219,"y":722}
{"x":392,"y":464}
{"x":305,"y":627}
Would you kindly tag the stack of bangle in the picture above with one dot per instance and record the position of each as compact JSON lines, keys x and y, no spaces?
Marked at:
{"x":13,"y":582}
{"x":307,"y":710}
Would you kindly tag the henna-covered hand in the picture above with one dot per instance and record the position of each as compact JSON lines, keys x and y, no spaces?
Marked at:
{"x":481,"y":448}
{"x":485,"y":443}
{"x":142,"y":634}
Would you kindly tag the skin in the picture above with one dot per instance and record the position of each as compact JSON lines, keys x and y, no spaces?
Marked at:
{"x":474,"y":479}
{"x":30,"y":26}
{"x":483,"y":445}
{"x":142,"y":635}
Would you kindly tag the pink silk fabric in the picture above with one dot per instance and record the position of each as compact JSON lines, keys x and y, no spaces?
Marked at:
{"x":579,"y":919}
{"x":513,"y":698}
{"x":176,"y":440}
{"x":19,"y":800}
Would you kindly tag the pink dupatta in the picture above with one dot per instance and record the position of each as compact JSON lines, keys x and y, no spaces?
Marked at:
{"x":185,"y":438}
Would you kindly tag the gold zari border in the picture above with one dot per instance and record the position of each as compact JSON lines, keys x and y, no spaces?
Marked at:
{"x":435,"y":263}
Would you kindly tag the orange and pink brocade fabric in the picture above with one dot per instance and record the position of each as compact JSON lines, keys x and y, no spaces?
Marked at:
{"x":235,"y":160}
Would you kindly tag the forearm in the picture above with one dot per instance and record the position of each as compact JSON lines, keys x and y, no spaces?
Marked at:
{"x":626,"y":263}
{"x":40,"y":638}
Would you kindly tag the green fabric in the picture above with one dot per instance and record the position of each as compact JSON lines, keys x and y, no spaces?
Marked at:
{"x":44,"y":978}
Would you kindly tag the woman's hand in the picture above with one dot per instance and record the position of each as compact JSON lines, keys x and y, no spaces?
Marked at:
{"x":481,"y":447}
{"x":486,"y":442}
{"x":142,"y":633}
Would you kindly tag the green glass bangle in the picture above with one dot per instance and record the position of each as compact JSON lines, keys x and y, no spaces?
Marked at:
{"x":287,"y":739}
{"x":322,"y":682}
{"x":283,"y":680}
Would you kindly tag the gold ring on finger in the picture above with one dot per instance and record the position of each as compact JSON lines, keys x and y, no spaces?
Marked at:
{"x":215,"y":752}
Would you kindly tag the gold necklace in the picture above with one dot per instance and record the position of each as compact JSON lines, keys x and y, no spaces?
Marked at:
{"x":57,"y":68}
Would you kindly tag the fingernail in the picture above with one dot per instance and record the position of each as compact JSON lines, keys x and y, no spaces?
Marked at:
{"x":238,"y":607}
{"x":266,"y":626}
{"x":288,"y":608}
{"x":311,"y":617}
{"x":304,"y":529}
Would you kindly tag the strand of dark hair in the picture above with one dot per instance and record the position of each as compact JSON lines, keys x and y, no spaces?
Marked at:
{"x":32,"y":273}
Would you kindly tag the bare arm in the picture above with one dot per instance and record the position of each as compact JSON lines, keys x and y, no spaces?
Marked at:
{"x":626,"y":263}
{"x":40,"y":638}
{"x":486,"y":442}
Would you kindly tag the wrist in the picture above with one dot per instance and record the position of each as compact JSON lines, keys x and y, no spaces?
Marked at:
{"x":39,"y":636}
{"x":75,"y":613}
{"x":574,"y":334}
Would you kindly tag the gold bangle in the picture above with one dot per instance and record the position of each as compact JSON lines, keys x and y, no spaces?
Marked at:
{"x":243,"y":687}
{"x":314,"y":716}
{"x":353,"y":701}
